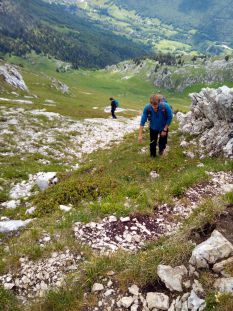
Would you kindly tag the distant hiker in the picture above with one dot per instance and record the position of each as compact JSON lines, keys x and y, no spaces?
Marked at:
{"x":160,"y":115}
{"x":114,"y":105}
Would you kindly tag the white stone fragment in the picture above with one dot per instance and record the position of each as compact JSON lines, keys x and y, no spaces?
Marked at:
{"x":112,"y":218}
{"x":134,"y":290}
{"x":154,"y":174}
{"x":12,"y":204}
{"x":126,"y":302}
{"x":13,"y":225}
{"x":65,"y":208}
{"x":134,"y":307}
{"x":157,"y":301}
{"x":43,"y":180}
{"x":30,"y":210}
{"x":124,"y":219}
{"x":97,"y":287}
{"x":8,"y":285}
{"x":195,"y":303}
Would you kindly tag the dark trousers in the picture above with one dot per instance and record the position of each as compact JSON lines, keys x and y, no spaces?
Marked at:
{"x":153,"y":142}
{"x":113,"y":113}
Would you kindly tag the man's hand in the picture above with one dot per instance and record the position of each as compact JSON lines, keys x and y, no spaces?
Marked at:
{"x":140,"y":134}
{"x":163,"y":133}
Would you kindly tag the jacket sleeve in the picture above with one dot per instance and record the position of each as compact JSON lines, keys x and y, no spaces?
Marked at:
{"x":144,"y":116}
{"x":169,"y":114}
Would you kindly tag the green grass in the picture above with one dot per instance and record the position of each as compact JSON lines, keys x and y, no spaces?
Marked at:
{"x":8,"y":301}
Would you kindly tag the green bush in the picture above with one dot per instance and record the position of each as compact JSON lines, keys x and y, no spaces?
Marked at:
{"x":73,"y":191}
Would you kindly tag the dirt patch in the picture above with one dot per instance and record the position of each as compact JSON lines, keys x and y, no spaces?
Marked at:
{"x":224,"y":223}
{"x":199,"y":235}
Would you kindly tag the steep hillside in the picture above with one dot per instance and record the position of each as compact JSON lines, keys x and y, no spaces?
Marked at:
{"x":50,"y":29}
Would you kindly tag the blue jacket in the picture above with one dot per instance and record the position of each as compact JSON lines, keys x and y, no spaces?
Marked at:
{"x":158,"y":119}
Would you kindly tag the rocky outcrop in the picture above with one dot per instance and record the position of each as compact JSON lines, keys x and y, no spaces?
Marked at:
{"x":59,"y":86}
{"x":12,"y":77}
{"x":211,"y":119}
{"x":180,"y":78}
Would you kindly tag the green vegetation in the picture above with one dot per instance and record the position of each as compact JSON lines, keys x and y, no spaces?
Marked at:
{"x":51,"y":30}
{"x":190,"y":16}
{"x":8,"y":301}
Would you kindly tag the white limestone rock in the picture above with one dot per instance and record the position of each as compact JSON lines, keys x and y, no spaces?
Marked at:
{"x":97,"y":287}
{"x":134,"y":290}
{"x":220,"y":266}
{"x":211,"y":118}
{"x":195,"y":303}
{"x":45,"y":179}
{"x":12,"y":76}
{"x":13,"y":225}
{"x":12,"y":204}
{"x":154,"y":174}
{"x":197,"y":287}
{"x":65,"y":208}
{"x":134,"y":307}
{"x":224,"y":285}
{"x":126,"y":302}
{"x":157,"y":300}
{"x":172,"y":277}
{"x":217,"y":247}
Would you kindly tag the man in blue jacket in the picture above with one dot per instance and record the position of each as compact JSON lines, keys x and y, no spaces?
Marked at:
{"x":160,"y":116}
{"x":113,"y":107}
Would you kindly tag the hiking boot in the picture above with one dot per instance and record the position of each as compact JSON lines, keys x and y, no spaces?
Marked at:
{"x":161,"y":152}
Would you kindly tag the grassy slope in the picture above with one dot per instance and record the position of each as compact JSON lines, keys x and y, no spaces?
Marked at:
{"x":124,"y":168}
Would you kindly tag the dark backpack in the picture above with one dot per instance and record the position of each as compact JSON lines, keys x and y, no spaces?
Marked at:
{"x":116,"y":103}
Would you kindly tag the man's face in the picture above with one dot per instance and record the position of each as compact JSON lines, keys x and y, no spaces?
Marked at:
{"x":155,"y":104}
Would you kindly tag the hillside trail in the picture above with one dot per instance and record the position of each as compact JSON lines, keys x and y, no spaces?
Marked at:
{"x":37,"y":130}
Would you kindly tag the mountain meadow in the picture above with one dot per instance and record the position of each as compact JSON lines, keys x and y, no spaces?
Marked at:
{"x":88,"y":220}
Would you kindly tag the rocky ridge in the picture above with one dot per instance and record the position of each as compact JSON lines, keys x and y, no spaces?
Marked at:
{"x":180,"y":78}
{"x":211,"y":120}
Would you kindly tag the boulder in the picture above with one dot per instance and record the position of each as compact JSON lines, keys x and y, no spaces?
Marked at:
{"x":217,"y":247}
{"x":172,"y":277}
{"x":157,"y":300}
